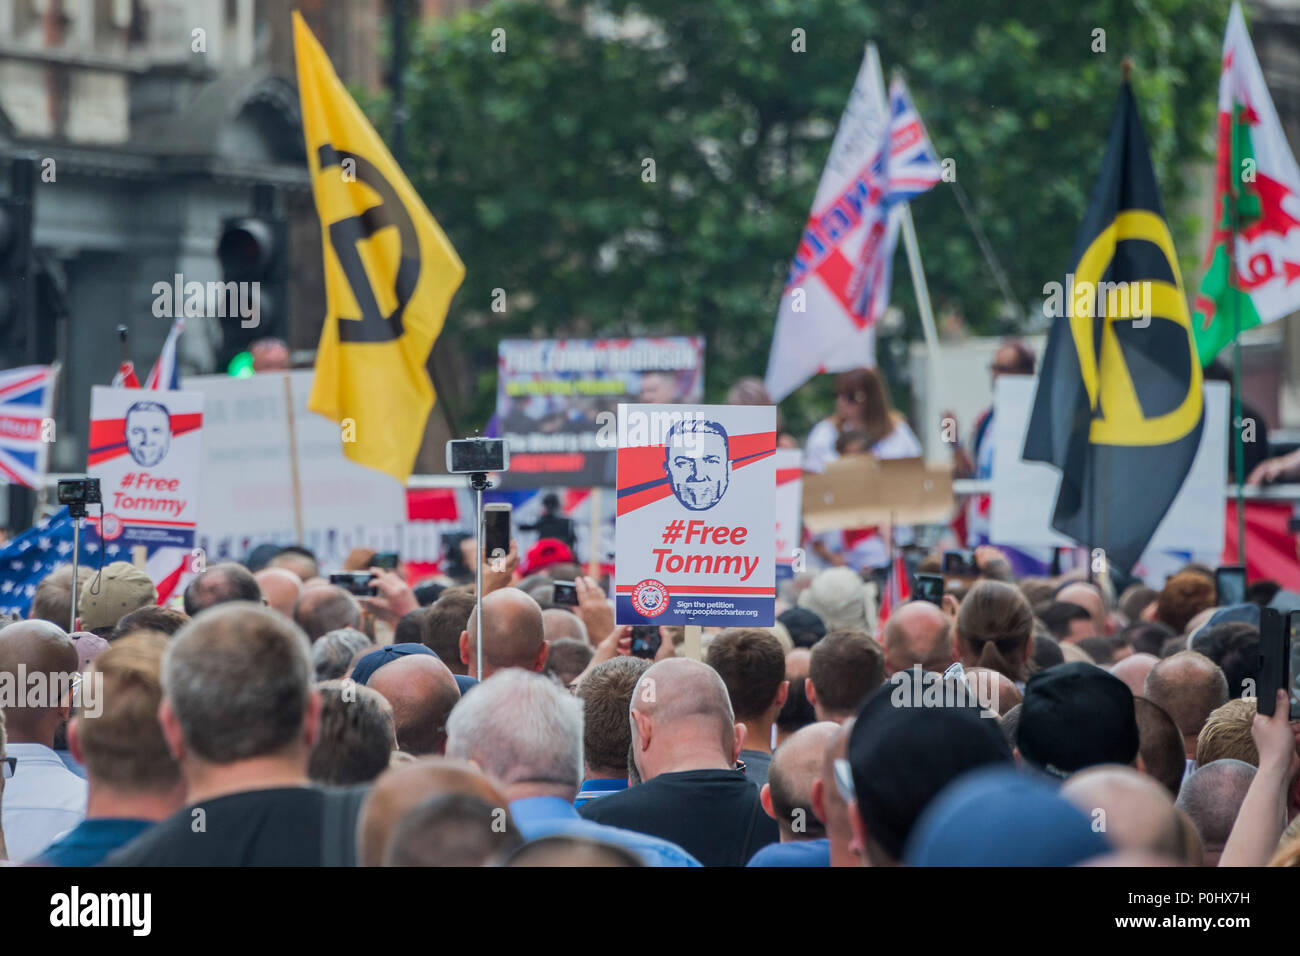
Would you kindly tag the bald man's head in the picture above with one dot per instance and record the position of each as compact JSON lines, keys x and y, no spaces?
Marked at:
{"x":1133,"y":671}
{"x":680,"y":689}
{"x":1136,"y":812}
{"x":327,"y":608}
{"x":1189,"y":686}
{"x":36,"y":647}
{"x":1212,"y":797}
{"x":1088,"y":598}
{"x":787,"y":797}
{"x":422,"y":692}
{"x":918,"y":633}
{"x":221,"y":584}
{"x":797,"y":663}
{"x":280,"y":589}
{"x":682,"y":715}
{"x":559,"y":624}
{"x":827,"y":802}
{"x":404,"y":788}
{"x":513,"y":634}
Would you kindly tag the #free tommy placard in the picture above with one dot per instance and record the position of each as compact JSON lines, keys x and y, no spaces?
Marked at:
{"x":695,"y":527}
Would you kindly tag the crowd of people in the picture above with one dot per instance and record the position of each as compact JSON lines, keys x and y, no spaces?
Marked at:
{"x":271,"y":717}
{"x":278,"y":719}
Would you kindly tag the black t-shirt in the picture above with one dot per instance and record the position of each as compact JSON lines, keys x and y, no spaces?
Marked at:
{"x":291,"y":826}
{"x":712,"y":814}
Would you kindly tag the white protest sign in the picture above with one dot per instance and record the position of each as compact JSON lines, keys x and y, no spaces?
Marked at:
{"x":694,"y":532}
{"x":789,"y":509}
{"x":1024,"y":492}
{"x":146,"y":451}
{"x":248,"y":488}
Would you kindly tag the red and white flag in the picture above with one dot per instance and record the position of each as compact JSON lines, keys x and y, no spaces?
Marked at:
{"x":896,"y":592}
{"x":126,"y":377}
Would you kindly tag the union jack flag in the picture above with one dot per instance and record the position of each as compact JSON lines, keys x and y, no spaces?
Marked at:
{"x":166,"y":373}
{"x":26,"y":396}
{"x":909,"y":168}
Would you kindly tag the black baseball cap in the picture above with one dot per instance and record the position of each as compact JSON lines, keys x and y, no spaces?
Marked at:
{"x":366,"y":667}
{"x":903,"y":752}
{"x":1074,"y":716}
{"x":806,"y":627}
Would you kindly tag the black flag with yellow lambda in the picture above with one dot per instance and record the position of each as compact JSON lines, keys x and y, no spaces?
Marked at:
{"x":390,"y":273}
{"x":1119,"y":406}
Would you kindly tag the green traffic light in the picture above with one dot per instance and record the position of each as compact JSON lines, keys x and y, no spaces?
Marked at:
{"x":241,"y":366}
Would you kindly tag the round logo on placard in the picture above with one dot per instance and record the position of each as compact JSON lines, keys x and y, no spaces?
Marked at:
{"x":649,"y":598}
{"x":110,"y":527}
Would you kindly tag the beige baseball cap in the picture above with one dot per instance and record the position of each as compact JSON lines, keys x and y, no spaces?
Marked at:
{"x":118,"y":590}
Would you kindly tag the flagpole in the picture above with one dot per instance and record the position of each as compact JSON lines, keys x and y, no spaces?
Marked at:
{"x":895,"y":586}
{"x":295,"y":482}
{"x":922,"y":291}
{"x":1238,"y":451}
{"x":121,"y":346}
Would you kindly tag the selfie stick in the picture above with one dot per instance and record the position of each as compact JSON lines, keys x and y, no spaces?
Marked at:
{"x":478,"y":481}
{"x":76,"y":555}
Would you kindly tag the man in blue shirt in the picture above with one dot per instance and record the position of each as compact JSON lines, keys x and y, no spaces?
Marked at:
{"x":526,"y":730}
{"x":593,"y":788}
{"x":133,"y":780}
{"x":787,"y":799}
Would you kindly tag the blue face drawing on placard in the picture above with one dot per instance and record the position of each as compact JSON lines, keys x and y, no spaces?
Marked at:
{"x":697,"y":463}
{"x":148,"y":430}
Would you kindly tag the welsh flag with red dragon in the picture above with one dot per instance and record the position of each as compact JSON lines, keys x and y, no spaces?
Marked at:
{"x":1257,"y":197}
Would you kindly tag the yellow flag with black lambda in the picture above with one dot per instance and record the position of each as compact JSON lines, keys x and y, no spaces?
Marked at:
{"x":1119,"y":407}
{"x":390,"y":273}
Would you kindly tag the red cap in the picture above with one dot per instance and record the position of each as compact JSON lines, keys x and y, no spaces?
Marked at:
{"x":543,"y":554}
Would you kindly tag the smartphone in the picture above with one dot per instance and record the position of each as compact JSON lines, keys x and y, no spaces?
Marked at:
{"x":467,"y":456}
{"x":1279,"y":643}
{"x":1293,"y":672}
{"x":929,"y":587}
{"x":496,"y":531}
{"x":960,"y":564}
{"x":385,"y":559}
{"x":566,"y":594}
{"x":1230,"y":581}
{"x":645,"y":641}
{"x":360,"y":583}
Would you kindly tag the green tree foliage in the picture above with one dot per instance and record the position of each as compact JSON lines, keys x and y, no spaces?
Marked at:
{"x":535,"y":159}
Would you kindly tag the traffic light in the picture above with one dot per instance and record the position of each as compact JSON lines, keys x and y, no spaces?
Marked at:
{"x":17,"y":285}
{"x":255,"y":249}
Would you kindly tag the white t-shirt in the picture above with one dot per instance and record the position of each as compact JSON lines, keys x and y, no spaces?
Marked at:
{"x":871,"y":551}
{"x":820,"y":446}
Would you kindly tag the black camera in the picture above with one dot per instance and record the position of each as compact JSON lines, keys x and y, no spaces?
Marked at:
{"x":960,"y":564}
{"x":360,"y":583}
{"x":76,"y":493}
